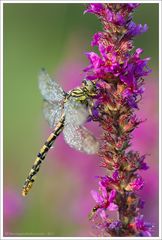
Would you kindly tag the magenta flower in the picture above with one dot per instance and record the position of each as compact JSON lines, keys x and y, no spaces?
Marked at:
{"x":105,"y":200}
{"x":134,"y":30}
{"x":143,"y":227}
{"x":136,"y":184}
{"x":118,"y":73}
{"x":95,"y":8}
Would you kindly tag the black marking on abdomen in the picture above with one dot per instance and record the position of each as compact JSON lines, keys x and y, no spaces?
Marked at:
{"x":41,"y":155}
{"x":36,"y":164}
{"x":49,"y":144}
{"x":46,"y":148}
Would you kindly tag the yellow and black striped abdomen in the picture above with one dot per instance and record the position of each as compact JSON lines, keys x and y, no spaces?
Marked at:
{"x":41,"y":156}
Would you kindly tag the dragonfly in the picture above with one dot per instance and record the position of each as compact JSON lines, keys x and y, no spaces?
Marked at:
{"x":67,"y":113}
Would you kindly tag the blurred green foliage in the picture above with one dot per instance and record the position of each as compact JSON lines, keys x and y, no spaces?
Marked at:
{"x":36,"y":35}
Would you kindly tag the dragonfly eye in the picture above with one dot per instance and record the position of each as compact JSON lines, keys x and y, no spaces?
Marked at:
{"x":84,"y":83}
{"x":89,"y":86}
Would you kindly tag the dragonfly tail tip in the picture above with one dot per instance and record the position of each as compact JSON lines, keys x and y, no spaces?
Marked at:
{"x":23,"y":193}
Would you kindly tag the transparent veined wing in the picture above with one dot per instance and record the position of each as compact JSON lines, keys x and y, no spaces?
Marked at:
{"x":50,"y":89}
{"x":75,"y":112}
{"x":52,"y":112}
{"x":77,"y":136}
{"x":80,"y":138}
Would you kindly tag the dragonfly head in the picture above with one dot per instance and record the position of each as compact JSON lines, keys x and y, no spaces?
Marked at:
{"x":89,"y":87}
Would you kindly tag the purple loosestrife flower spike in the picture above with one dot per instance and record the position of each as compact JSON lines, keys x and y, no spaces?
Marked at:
{"x":118,"y":74}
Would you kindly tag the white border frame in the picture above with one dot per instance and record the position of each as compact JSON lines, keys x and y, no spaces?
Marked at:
{"x":160,"y":112}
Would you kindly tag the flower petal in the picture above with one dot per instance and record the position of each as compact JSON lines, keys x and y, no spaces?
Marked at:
{"x":113,"y":207}
{"x":96,"y":197}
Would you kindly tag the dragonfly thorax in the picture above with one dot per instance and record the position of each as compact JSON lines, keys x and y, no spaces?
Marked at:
{"x":83,"y":93}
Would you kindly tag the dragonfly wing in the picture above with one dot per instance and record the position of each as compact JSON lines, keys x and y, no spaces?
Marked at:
{"x":52,"y":113}
{"x":81,"y":139}
{"x":50,"y":89}
{"x":75,"y":112}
